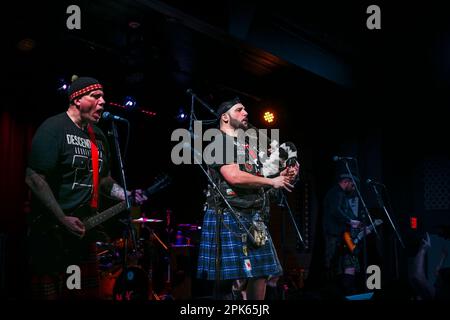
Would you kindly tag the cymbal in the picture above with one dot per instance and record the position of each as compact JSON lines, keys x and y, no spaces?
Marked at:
{"x":172,"y":245}
{"x":146,"y":220}
{"x":189,"y":226}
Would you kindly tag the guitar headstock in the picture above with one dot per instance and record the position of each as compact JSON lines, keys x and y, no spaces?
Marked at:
{"x":161,"y":182}
{"x":377,"y":222}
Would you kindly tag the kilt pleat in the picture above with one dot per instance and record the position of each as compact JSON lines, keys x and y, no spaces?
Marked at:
{"x":234,"y":263}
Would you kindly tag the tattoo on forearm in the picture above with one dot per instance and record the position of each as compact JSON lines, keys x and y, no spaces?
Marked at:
{"x":42,"y":190}
{"x":117,"y":192}
{"x":106,"y":185}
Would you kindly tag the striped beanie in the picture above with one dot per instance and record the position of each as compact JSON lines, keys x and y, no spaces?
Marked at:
{"x":82,"y":86}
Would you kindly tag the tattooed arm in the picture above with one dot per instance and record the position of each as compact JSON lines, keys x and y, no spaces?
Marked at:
{"x":117,"y":192}
{"x":106,"y":187}
{"x":112,"y":189}
{"x":43,"y":192}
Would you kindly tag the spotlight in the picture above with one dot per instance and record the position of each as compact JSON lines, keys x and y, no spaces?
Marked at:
{"x":62,"y":85}
{"x":181,"y":116}
{"x":26,"y":45}
{"x":130,"y":103}
{"x":269,"y":117}
{"x":134,"y":24}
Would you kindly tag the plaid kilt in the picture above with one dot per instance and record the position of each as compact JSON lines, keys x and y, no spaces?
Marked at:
{"x":338,"y":257}
{"x":235,"y":264}
{"x":348,"y":259}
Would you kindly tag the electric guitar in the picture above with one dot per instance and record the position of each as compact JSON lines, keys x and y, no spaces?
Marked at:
{"x":352,"y":242}
{"x":91,"y":218}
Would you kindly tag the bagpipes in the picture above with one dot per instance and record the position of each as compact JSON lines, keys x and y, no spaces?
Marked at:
{"x":278,"y":158}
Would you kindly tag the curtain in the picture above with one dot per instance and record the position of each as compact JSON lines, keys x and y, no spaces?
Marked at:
{"x":16,"y":132}
{"x":15,"y":144}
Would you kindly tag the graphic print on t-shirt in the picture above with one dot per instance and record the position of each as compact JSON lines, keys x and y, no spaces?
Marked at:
{"x":82,"y":161}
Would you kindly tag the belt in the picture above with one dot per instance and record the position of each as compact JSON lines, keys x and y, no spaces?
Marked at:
{"x":239,"y":211}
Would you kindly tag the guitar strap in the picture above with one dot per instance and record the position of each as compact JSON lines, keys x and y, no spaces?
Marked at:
{"x":94,"y":157}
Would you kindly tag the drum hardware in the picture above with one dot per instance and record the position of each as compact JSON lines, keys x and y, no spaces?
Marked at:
{"x":153,"y":257}
{"x":146,"y":220}
{"x":189,"y":226}
{"x":102,"y":252}
{"x":132,"y":284}
{"x":155,"y":236}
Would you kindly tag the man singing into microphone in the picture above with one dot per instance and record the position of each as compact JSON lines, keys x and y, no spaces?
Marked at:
{"x":245,"y":189}
{"x":68,"y":167}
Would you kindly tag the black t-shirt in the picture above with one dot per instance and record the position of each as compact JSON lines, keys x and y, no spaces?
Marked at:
{"x":338,"y":211}
{"x":239,"y":198}
{"x":61,"y":152}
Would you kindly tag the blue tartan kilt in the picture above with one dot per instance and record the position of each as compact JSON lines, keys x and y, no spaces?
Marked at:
{"x":235,"y":264}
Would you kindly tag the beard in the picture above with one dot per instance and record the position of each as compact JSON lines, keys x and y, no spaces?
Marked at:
{"x":236,"y":124}
{"x":350,"y":191}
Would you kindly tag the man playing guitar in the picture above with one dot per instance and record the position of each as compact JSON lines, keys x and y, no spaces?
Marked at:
{"x":68,"y":167}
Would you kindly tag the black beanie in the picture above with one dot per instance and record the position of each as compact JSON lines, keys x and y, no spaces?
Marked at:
{"x":227,"y":105}
{"x":83,"y":85}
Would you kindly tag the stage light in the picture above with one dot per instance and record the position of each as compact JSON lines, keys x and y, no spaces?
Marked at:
{"x":181,"y":116}
{"x":134,"y":24}
{"x":413,"y":223}
{"x":62,"y":85}
{"x":26,"y":45}
{"x":130,"y":103}
{"x":269,"y":117}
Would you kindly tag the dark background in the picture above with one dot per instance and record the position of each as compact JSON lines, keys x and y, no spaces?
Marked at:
{"x":336,"y":88}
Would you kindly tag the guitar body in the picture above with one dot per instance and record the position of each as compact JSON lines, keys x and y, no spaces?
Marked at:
{"x":48,"y":235}
{"x":57,"y":238}
{"x":348,"y":241}
{"x":352,"y":237}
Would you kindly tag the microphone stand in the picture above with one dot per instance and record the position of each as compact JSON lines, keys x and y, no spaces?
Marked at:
{"x":192,"y":115}
{"x":219,"y":221}
{"x":203,"y":103}
{"x":366,"y":214}
{"x":382,"y":205}
{"x":215,"y":187}
{"x":219,"y":216}
{"x":128,"y":230}
{"x":219,"y":212}
{"x":284,"y":203}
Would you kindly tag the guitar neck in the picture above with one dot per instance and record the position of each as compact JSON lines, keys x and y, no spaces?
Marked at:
{"x":99,"y":218}
{"x":369,"y":229}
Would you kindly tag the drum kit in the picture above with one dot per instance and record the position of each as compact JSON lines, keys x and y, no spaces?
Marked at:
{"x":152,"y":264}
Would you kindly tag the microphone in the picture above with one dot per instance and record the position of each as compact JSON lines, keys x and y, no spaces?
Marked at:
{"x":108,"y":116}
{"x":203,"y":103}
{"x":373,"y":182}
{"x":337,"y":158}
